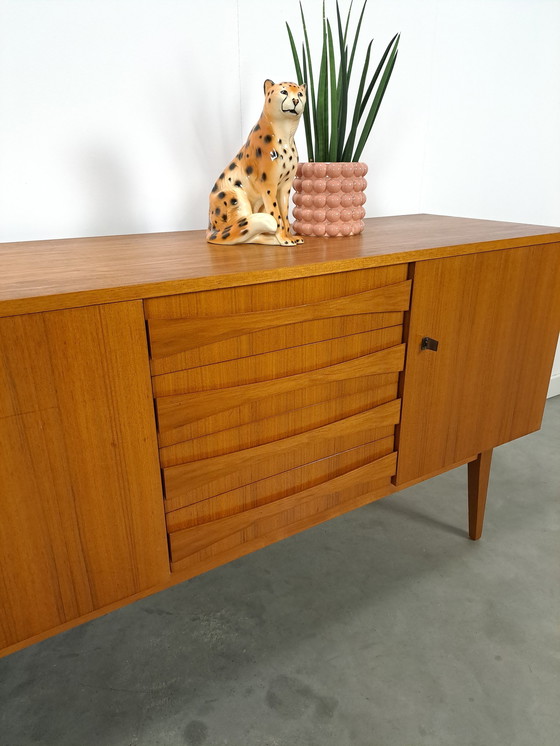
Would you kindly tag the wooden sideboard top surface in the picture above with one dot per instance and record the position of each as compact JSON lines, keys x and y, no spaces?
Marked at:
{"x":56,"y":274}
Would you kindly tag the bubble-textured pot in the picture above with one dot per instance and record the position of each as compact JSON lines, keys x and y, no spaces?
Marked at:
{"x":329,"y":199}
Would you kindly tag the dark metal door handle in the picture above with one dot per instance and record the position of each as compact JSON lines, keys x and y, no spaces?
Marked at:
{"x":429,"y":344}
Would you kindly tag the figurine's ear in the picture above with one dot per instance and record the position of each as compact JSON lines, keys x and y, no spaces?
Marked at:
{"x":304,"y":86}
{"x":268,"y":85}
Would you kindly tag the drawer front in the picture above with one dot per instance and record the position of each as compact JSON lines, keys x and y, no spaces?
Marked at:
{"x":276,"y":406}
{"x":197,"y":329}
{"x":269,"y":489}
{"x":223,"y":539}
{"x":209,"y":475}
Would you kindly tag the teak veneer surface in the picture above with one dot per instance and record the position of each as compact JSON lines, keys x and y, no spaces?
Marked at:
{"x":277,"y":389}
{"x":496,"y":319}
{"x":173,"y":336}
{"x":183,"y":409}
{"x":57,"y":274}
{"x":249,"y":465}
{"x":225,"y":533}
{"x":82,"y":524}
{"x":276,"y":487}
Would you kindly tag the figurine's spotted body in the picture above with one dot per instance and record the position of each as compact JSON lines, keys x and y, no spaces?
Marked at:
{"x":249,"y":201}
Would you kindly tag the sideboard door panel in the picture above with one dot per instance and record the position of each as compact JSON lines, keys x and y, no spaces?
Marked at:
{"x":81,"y":510}
{"x":495,"y":317}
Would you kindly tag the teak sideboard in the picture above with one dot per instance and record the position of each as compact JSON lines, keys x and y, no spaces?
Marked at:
{"x":167,"y":405}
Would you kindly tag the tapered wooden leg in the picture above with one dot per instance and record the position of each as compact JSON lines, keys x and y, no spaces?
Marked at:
{"x":479,"y":473}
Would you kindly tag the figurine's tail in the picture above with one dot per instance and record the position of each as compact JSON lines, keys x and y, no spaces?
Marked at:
{"x":243,"y":230}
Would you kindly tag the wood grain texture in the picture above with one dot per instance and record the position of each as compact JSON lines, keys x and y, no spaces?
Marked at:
{"x":185,"y":482}
{"x":380,"y":395}
{"x":478,"y":477}
{"x":260,"y":432}
{"x":280,"y":485}
{"x":273,"y":297}
{"x":211,"y":473}
{"x":82,"y":512}
{"x":378,"y":389}
{"x":233,"y":548}
{"x":274,"y":365}
{"x":182,"y":409}
{"x":448,"y":467}
{"x":279,"y":338}
{"x":496,"y":316}
{"x":82,"y":516}
{"x":188,"y":568}
{"x":194,"y":565}
{"x":47,"y":275}
{"x":173,"y":336}
{"x":224,"y":533}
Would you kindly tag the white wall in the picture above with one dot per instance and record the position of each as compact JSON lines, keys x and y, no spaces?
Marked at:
{"x":116,"y":115}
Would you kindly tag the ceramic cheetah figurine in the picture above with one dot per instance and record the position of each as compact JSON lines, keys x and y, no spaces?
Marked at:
{"x":249,"y":201}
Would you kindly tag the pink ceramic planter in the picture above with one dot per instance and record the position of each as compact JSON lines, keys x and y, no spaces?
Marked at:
{"x":329,"y":199}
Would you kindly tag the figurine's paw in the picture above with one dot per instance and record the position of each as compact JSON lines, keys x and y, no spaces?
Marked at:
{"x":287,"y":239}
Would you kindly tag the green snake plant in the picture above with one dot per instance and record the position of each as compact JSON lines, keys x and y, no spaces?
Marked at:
{"x":331,"y":125}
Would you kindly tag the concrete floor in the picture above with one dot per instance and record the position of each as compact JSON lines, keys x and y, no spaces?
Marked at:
{"x":384,"y":627}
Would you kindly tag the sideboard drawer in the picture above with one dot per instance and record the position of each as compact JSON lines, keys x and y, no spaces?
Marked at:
{"x":224,"y":538}
{"x":196,"y":329}
{"x":192,"y":481}
{"x":279,"y":398}
{"x":182,"y":513}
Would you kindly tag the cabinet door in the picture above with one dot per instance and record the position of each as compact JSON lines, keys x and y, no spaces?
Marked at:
{"x":81,"y":510}
{"x":495,"y":316}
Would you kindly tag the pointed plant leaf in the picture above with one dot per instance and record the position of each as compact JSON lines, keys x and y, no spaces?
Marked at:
{"x":295,"y":54}
{"x":326,"y":116}
{"x":341,"y":44}
{"x":343,"y":103}
{"x":323,"y":101}
{"x":349,"y":147}
{"x":307,"y":113}
{"x":311,"y":79}
{"x":347,"y":21}
{"x":341,"y":40}
{"x":356,"y":36}
{"x":377,"y":99}
{"x":333,"y":148}
{"x":377,"y":72}
{"x":301,"y":79}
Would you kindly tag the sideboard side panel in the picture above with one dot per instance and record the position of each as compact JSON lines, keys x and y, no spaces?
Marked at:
{"x":496,"y":317}
{"x":82,"y":522}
